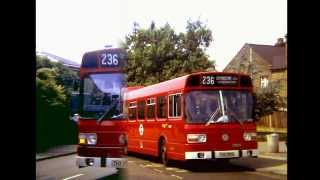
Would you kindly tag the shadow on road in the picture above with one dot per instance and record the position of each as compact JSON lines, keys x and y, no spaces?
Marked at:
{"x":120,"y":175}
{"x":198,"y":166}
{"x":258,"y":162}
{"x":209,"y":166}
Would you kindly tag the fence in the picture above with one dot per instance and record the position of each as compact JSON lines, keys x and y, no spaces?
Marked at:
{"x":276,"y":120}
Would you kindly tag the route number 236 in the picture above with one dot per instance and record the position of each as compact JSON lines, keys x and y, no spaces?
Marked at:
{"x":109,"y":59}
{"x":207,"y":80}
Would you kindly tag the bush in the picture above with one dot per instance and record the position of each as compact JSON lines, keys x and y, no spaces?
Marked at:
{"x":53,"y":126}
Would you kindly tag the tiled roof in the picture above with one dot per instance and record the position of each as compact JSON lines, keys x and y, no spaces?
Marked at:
{"x":274,"y":55}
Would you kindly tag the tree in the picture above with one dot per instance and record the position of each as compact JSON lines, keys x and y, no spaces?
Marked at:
{"x":52,"y":105}
{"x":64,"y":76}
{"x":159,"y":54}
{"x":266,"y":101}
{"x":47,"y":89}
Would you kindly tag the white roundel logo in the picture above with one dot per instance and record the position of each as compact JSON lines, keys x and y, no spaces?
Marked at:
{"x":141,"y":129}
{"x":225,"y":137}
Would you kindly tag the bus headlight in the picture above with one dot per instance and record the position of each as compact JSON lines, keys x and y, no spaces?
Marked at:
{"x":196,"y":138}
{"x":88,"y":138}
{"x":249,"y":136}
{"x":92,"y":139}
{"x":122,"y":139}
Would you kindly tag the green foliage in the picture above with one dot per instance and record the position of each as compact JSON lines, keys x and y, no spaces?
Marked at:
{"x":64,"y":76}
{"x":266,"y":100}
{"x":53,"y":126}
{"x":42,"y":62}
{"x":47,"y":89}
{"x":159,"y":54}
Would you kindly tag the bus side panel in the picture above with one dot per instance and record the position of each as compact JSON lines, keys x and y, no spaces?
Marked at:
{"x":176,"y":139}
{"x":150,"y":138}
{"x":145,"y":143}
{"x":133,"y":135}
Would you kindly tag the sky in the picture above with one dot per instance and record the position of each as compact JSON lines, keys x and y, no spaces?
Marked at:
{"x":69,"y":28}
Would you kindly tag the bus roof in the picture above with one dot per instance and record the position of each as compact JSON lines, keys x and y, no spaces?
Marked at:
{"x":171,"y":85}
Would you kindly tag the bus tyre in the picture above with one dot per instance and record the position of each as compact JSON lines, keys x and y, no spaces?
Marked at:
{"x":224,"y":161}
{"x":163,"y":153}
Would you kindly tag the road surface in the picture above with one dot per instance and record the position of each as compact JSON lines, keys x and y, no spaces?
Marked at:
{"x":147,"y":168}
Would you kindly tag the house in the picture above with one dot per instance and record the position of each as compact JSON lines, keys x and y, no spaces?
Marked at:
{"x":267,"y":65}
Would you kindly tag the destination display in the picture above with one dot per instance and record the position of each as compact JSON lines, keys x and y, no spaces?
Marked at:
{"x":212,"y":80}
{"x":105,"y":58}
{"x":218,"y":80}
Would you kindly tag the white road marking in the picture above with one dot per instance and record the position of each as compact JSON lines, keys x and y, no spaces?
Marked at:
{"x":157,"y":165}
{"x":176,"y":176}
{"x":159,"y":171}
{"x":170,"y":169}
{"x":77,"y":175}
{"x":181,"y":171}
{"x":273,"y":176}
{"x":272,"y":157}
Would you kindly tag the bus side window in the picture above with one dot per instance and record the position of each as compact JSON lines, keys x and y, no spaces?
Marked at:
{"x":132,"y":110}
{"x":141,"y":106}
{"x":161,"y":107}
{"x":150,"y":108}
{"x":175,"y":105}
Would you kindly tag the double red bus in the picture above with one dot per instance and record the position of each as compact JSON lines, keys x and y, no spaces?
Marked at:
{"x":100,"y":118}
{"x":205,"y":115}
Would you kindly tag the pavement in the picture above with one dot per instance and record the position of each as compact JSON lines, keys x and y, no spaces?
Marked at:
{"x":58,"y":151}
{"x":258,"y":164}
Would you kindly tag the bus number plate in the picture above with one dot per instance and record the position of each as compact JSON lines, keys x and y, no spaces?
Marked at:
{"x":227,"y":154}
{"x":117,"y":163}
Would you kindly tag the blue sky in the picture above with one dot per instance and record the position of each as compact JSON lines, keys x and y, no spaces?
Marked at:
{"x":69,"y":28}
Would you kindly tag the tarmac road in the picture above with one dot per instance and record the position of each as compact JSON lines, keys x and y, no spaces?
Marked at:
{"x":147,"y":168}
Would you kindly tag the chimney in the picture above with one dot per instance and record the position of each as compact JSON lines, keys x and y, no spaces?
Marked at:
{"x":280,"y":42}
{"x":286,"y":50}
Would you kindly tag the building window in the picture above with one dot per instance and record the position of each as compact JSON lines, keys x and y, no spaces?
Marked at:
{"x":264,"y":82}
{"x":162,"y":107}
{"x":175,"y":105}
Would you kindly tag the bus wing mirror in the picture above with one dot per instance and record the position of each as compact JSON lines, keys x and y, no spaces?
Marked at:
{"x":75,"y":118}
{"x":74,"y":104}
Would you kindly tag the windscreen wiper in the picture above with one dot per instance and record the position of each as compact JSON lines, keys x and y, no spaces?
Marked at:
{"x":108,"y":113}
{"x":212,"y":116}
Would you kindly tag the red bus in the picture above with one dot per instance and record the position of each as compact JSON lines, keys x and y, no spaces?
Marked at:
{"x":100,"y":120}
{"x":205,"y":115}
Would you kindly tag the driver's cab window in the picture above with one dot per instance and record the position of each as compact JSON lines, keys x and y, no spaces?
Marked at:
{"x":101,"y":93}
